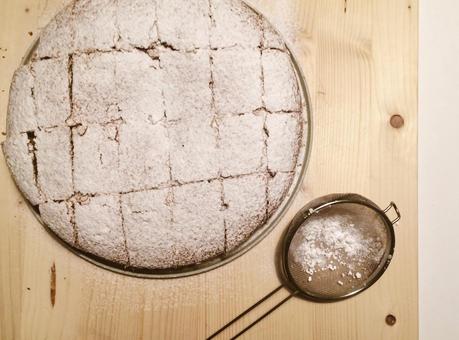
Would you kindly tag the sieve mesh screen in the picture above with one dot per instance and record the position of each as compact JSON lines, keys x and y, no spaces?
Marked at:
{"x":338,"y":250}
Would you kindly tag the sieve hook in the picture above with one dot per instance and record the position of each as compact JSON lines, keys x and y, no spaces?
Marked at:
{"x":390,"y":206}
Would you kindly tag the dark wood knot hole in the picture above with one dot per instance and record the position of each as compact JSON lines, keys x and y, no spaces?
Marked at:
{"x":391,"y":319}
{"x":397,"y":121}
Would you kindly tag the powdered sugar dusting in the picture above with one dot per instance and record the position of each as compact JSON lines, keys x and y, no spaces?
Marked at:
{"x":334,"y":244}
{"x":160,"y":116}
{"x":283,"y":14}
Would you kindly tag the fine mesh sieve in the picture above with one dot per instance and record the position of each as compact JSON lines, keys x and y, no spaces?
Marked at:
{"x":334,"y":248}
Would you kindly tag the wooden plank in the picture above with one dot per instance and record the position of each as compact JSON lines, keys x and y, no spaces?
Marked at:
{"x":360,"y":61}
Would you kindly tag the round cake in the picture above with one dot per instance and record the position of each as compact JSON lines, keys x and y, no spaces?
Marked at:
{"x":151,"y":134}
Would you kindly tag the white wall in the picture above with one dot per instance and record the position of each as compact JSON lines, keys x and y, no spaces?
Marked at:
{"x":439,"y":170}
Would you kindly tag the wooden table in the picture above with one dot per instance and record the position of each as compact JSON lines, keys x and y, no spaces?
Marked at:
{"x":360,"y":61}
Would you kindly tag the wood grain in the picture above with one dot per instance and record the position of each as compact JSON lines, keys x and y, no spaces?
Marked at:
{"x":360,"y":61}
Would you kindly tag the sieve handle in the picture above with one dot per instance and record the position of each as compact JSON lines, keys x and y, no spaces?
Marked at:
{"x":389,"y":207}
{"x":256,"y":304}
{"x":264,"y":315}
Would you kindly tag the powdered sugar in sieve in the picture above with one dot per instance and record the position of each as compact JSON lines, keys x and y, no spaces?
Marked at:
{"x":333,"y":244}
{"x":338,"y":249}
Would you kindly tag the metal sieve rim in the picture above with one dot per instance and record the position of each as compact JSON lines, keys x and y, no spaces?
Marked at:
{"x":304,"y":214}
